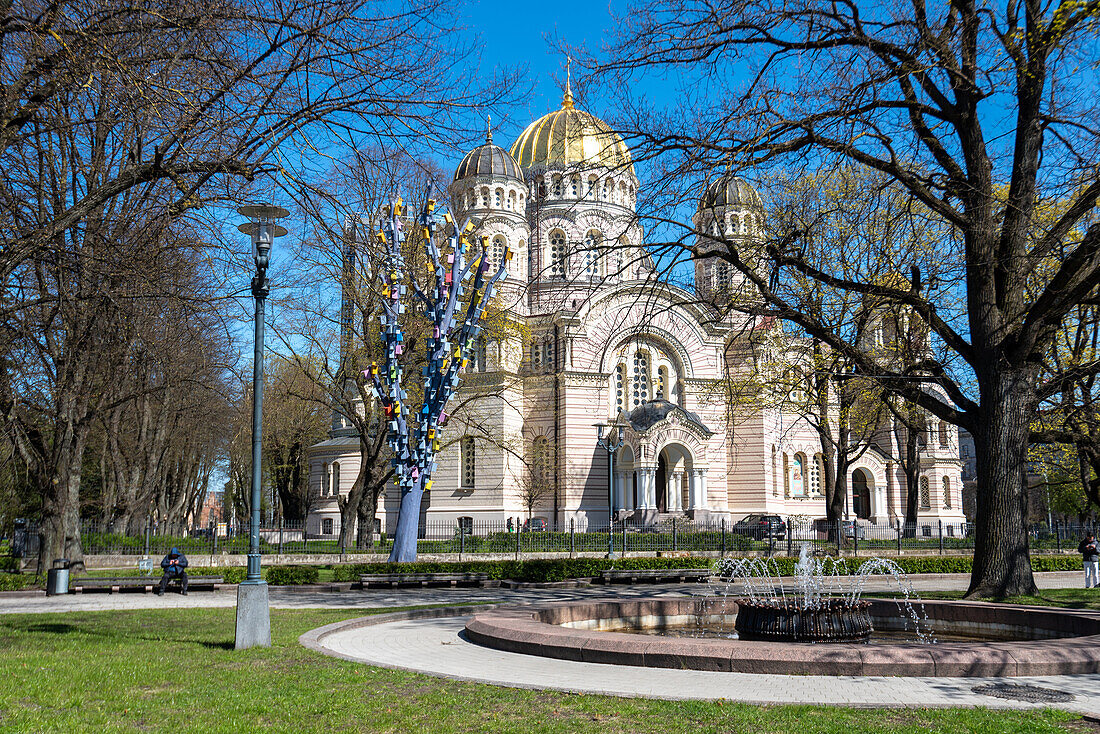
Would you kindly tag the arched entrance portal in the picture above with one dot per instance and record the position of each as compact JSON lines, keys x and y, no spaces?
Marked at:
{"x":861,"y":494}
{"x":662,"y":481}
{"x":674,"y":469}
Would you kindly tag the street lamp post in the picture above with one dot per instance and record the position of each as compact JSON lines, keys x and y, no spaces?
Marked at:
{"x":610,"y":443}
{"x":253,"y":611}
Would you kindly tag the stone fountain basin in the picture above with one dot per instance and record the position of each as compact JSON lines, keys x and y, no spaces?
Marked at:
{"x":1060,"y":641}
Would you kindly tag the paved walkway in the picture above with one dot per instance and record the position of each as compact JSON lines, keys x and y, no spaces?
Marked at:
{"x":436,"y":647}
{"x":295,"y":598}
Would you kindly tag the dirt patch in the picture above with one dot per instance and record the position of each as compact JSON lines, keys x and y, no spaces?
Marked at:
{"x":1084,"y":725}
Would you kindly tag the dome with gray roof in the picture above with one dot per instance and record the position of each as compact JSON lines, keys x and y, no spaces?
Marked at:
{"x":730,"y":191}
{"x":488,"y":160}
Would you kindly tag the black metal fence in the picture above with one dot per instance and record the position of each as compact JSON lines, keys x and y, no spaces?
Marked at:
{"x":465,"y":537}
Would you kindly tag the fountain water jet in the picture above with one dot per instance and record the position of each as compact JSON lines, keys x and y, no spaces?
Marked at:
{"x":824,"y":605}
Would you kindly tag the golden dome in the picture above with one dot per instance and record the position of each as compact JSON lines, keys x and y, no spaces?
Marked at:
{"x":571,"y":138}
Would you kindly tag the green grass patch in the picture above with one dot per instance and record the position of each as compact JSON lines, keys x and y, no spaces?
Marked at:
{"x":175,"y":670}
{"x":1061,"y":598}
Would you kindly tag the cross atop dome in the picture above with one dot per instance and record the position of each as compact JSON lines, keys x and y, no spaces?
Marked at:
{"x":567,"y":97}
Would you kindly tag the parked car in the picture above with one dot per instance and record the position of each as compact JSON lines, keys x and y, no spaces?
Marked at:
{"x":534,"y":524}
{"x":759,"y":526}
{"x":852,"y":529}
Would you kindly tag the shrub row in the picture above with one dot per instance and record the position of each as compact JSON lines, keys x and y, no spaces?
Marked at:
{"x":546,"y":570}
{"x":537,"y":571}
{"x":291,"y":575}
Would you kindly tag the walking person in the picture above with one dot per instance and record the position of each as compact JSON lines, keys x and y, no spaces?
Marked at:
{"x":174,"y":565}
{"x":1090,"y":551}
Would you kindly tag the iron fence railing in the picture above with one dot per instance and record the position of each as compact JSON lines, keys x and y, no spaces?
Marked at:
{"x":471,"y":538}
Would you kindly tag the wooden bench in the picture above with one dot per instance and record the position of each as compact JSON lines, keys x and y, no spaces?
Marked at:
{"x":656,"y":574}
{"x":147,"y":583}
{"x":423,"y":579}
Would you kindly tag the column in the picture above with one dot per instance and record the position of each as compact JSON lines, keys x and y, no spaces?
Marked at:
{"x":647,"y":499}
{"x":673,"y":491}
{"x":700,"y":495}
{"x":693,"y":484}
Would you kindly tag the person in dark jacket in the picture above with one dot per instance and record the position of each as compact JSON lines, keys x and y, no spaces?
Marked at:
{"x":174,"y":565}
{"x":1090,"y":550}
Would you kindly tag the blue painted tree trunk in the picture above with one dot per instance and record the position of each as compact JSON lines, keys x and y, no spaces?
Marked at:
{"x":415,"y":442}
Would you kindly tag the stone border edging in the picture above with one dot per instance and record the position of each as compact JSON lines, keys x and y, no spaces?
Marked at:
{"x":537,"y":631}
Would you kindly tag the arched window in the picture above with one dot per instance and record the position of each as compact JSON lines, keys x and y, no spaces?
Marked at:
{"x":557,"y":254}
{"x":722,"y":276}
{"x":735,"y":224}
{"x":925,"y":494}
{"x":591,"y":253}
{"x":326,"y":526}
{"x":548,"y":354}
{"x":748,"y":224}
{"x":786,"y":476}
{"x":815,"y":475}
{"x":661,"y":391}
{"x":640,"y":383}
{"x":335,"y":490}
{"x":593,"y":188}
{"x":469,"y":462}
{"x":798,"y":475}
{"x":498,"y":198}
{"x":557,"y":185}
{"x":574,"y":186}
{"x":945,"y":437}
{"x":471,"y":199}
{"x":542,"y":462}
{"x":620,"y":388}
{"x":478,"y":356}
{"x":521,"y":201}
{"x":326,"y":480}
{"x":496,"y":252}
{"x":485,"y":197}
{"x":947,"y":493}
{"x":775,"y":475}
{"x":512,"y":200}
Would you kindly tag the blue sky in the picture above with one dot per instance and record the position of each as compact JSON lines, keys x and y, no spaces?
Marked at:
{"x":517,"y":34}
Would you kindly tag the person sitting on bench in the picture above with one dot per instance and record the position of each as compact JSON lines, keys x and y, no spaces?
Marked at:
{"x":174,"y":565}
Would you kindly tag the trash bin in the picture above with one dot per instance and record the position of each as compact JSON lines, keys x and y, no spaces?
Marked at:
{"x":57,"y":578}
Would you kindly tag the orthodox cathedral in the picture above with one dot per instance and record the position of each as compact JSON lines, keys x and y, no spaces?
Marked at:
{"x":598,"y":338}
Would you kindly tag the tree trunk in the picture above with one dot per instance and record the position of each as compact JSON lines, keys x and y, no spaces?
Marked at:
{"x":61,"y":506}
{"x":349,"y":509}
{"x":1002,"y":560}
{"x":408,"y":524}
{"x":911,"y":467}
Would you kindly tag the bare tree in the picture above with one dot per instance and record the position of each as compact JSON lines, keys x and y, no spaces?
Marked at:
{"x":916,"y":93}
{"x":116,"y":120}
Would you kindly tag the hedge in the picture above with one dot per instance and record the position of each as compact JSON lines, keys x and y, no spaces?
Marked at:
{"x":537,"y":571}
{"x":290,"y":575}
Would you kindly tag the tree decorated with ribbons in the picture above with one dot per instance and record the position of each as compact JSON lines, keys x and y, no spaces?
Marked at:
{"x":416,"y":437}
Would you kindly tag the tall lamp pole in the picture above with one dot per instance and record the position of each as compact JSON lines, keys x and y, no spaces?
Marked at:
{"x":610,"y":443}
{"x":253,"y":610}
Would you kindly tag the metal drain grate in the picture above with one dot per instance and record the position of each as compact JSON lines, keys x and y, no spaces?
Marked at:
{"x":1031,"y":694}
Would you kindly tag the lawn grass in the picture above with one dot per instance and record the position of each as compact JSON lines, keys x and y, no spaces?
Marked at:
{"x":1062,"y":598}
{"x":175,"y":670}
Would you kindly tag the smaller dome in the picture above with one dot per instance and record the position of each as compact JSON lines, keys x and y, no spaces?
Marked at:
{"x":488,"y":160}
{"x":730,"y":191}
{"x":651,"y":412}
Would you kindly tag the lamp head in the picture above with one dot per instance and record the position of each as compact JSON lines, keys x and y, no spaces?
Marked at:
{"x":263,"y":230}
{"x":599,"y":429}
